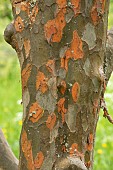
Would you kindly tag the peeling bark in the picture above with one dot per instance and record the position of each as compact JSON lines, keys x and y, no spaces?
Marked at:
{"x":61,"y":49}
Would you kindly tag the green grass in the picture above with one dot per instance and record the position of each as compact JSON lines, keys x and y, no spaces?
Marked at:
{"x":10,"y":92}
{"x":110,"y":18}
{"x":104,"y":137}
{"x":11,"y":110}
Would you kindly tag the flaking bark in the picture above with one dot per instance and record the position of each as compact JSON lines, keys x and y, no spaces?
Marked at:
{"x":61,"y":49}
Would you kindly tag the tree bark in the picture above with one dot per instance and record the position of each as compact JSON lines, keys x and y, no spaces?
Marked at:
{"x":61,"y":49}
{"x":7,"y":159}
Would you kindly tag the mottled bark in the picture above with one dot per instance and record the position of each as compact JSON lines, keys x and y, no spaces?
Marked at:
{"x":7,"y":159}
{"x":61,"y":49}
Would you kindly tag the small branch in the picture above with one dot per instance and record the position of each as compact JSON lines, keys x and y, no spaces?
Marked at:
{"x":108,"y":68}
{"x":7,"y":159}
{"x":106,"y":114}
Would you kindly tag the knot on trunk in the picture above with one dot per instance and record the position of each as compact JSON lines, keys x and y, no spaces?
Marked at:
{"x":71,"y":163}
{"x":9,"y":35}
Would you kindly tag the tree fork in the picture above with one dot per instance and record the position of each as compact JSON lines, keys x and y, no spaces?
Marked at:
{"x":61,"y":49}
{"x":7,"y":158}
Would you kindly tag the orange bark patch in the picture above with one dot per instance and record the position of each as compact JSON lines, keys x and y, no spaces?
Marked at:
{"x":51,"y":66}
{"x":25,"y":6}
{"x":21,"y":6}
{"x":64,"y":61}
{"x":89,"y":145}
{"x":103,"y":3}
{"x":62,"y":109}
{"x":41,"y":82}
{"x":59,"y":25}
{"x":63,"y":87}
{"x":51,"y":121}
{"x":50,"y":30}
{"x":76,"y":6}
{"x":76,"y":46}
{"x":61,"y":3}
{"x":35,"y":112}
{"x":95,"y":106}
{"x":94,"y":14}
{"x":27,"y":150}
{"x":19,"y":25}
{"x":99,"y":5}
{"x":73,"y":149}
{"x":39,"y":160}
{"x":63,"y":148}
{"x":27,"y":47}
{"x":34,"y":13}
{"x":75,"y":91}
{"x":25,"y":75}
{"x":54,"y":28}
{"x":75,"y":51}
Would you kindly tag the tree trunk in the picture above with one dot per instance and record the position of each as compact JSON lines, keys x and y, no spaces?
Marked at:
{"x":60,"y":46}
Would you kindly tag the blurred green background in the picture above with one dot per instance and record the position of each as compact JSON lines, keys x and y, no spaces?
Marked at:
{"x":10,"y":99}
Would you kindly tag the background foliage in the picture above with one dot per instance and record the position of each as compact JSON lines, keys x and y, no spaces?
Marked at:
{"x":5,"y":9}
{"x":10,"y":97}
